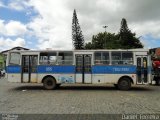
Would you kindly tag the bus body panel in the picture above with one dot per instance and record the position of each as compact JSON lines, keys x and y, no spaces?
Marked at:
{"x":67,"y":73}
{"x":34,"y":78}
{"x":13,"y":73}
{"x":110,"y":78}
{"x":78,"y":78}
{"x":14,"y":77}
{"x":96,"y":78}
{"x":118,"y":69}
{"x":56,"y":69}
{"x":88,"y":78}
{"x":60,"y":78}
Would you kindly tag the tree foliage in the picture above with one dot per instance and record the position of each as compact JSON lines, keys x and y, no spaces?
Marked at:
{"x":104,"y":40}
{"x":77,"y":37}
{"x":128,"y":39}
{"x":125,"y":39}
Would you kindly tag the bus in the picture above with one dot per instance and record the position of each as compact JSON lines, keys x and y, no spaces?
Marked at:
{"x":122,"y":68}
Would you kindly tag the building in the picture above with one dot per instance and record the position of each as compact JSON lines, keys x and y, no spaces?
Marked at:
{"x":3,"y":55}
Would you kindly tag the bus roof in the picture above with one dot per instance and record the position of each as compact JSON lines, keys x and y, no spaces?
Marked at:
{"x":95,"y":50}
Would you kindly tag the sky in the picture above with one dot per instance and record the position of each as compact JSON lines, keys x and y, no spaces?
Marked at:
{"x":43,"y":24}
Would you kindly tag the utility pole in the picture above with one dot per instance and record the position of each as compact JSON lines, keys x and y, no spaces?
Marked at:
{"x":105,"y":27}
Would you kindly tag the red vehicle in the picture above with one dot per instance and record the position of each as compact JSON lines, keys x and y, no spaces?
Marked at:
{"x":156,"y":64}
{"x":155,"y":56}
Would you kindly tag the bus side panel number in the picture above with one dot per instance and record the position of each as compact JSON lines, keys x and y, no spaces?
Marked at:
{"x":121,"y":69}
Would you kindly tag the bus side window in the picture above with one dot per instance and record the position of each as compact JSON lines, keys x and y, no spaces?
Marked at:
{"x":65,"y":58}
{"x":48,"y":58}
{"x":116,"y":58}
{"x":101,"y":58}
{"x":14,"y":58}
{"x":97,"y":57}
{"x":43,"y":58}
{"x":127,"y":58}
{"x":52,"y":58}
{"x":122,"y":58}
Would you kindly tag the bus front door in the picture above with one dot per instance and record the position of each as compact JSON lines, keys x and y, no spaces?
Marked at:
{"x":83,"y":68}
{"x":142,"y":71}
{"x":29,"y":68}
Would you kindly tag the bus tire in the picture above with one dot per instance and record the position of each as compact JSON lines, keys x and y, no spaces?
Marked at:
{"x":124,"y":83}
{"x":49,"y":83}
{"x":158,"y":82}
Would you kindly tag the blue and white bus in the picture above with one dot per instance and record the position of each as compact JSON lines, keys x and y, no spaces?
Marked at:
{"x":53,"y":68}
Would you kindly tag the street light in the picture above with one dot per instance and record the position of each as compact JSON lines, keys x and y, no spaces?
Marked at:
{"x":105,"y":27}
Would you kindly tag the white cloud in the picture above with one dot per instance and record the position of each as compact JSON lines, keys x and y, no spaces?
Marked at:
{"x":15,"y":28}
{"x":1,"y":4}
{"x":12,"y":28}
{"x":19,"y":5}
{"x":9,"y":43}
{"x":16,"y":6}
{"x":2,"y":27}
{"x":147,"y":28}
{"x":52,"y":26}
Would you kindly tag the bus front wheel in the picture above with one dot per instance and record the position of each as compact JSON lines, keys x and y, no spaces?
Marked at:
{"x":49,"y":83}
{"x":124,"y":84}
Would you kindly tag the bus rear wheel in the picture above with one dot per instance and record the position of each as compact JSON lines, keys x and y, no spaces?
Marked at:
{"x":158,"y":82}
{"x":49,"y":83}
{"x":124,"y":84}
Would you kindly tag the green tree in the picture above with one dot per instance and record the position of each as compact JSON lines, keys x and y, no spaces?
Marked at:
{"x":77,"y":37}
{"x":104,"y":40}
{"x":89,"y":45}
{"x":127,"y":39}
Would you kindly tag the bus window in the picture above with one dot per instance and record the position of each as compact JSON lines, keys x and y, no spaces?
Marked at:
{"x":14,"y":58}
{"x":116,"y":58}
{"x":101,"y":58}
{"x":124,"y":58}
{"x":105,"y":57}
{"x":65,"y":58}
{"x":52,"y":58}
{"x":97,"y":58}
{"x":48,"y":58}
{"x":127,"y":58}
{"x":43,"y":58}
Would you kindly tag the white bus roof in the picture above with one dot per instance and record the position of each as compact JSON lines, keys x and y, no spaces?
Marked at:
{"x":95,"y":50}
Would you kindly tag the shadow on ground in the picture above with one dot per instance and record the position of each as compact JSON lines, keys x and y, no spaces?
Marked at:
{"x":84,"y":88}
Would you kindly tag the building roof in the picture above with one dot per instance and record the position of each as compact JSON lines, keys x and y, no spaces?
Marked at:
{"x":15,"y":48}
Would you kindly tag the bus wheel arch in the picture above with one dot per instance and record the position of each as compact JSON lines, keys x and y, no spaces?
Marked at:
{"x":128,"y":78}
{"x":49,"y":82}
{"x":124,"y":83}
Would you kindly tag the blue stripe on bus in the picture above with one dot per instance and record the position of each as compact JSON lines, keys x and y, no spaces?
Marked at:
{"x":56,"y":69}
{"x":113,"y":69}
{"x":71,"y":69}
{"x":13,"y":69}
